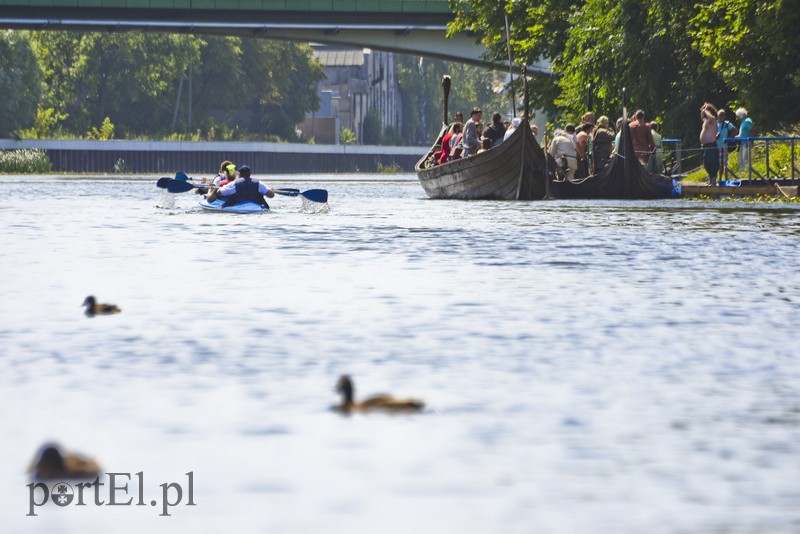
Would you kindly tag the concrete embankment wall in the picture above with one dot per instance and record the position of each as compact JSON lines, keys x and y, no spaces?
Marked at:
{"x":205,"y":157}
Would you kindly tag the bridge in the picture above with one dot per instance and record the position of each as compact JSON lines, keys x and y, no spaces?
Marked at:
{"x":415,"y":27}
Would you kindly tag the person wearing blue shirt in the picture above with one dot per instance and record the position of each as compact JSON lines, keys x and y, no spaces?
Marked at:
{"x":745,"y":131}
{"x":725,"y":130}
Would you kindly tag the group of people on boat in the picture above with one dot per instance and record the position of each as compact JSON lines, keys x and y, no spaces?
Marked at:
{"x":236,"y":186}
{"x":587,"y":149}
{"x":466,"y":139}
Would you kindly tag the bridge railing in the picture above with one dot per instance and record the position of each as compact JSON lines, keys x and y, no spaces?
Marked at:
{"x":751,"y":159}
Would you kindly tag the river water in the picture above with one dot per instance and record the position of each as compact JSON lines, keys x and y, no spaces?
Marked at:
{"x":588,"y":366}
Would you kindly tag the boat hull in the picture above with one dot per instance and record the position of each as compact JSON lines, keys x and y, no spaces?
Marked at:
{"x":514,"y":170}
{"x":244,"y":207}
{"x":623,"y":178}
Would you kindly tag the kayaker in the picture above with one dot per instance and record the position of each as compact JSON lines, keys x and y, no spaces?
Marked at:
{"x":227,"y":173}
{"x":243,"y":189}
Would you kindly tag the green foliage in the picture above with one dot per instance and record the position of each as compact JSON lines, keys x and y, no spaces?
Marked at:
{"x":420,"y":82}
{"x":120,"y":167}
{"x":105,"y":132}
{"x":20,"y":82}
{"x":45,"y":125}
{"x":753,"y":45}
{"x":372,"y":133}
{"x":130,"y":76}
{"x":26,"y":161}
{"x":347,"y":137}
{"x":393,"y":168}
{"x":251,"y":87}
{"x":670,"y":55}
{"x":281,"y":81}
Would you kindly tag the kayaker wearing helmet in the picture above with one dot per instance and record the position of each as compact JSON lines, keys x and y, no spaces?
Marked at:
{"x":227,"y":173}
{"x":243,"y":189}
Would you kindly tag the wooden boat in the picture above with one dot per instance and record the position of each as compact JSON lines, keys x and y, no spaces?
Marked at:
{"x":624,"y":177}
{"x":513,"y":170}
{"x":519,"y":169}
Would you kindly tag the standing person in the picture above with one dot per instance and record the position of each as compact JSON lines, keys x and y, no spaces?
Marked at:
{"x":642,"y":137}
{"x":496,"y":130}
{"x":569,"y":129}
{"x":602,"y":144}
{"x":659,"y":155}
{"x":745,"y":131}
{"x":243,"y":189}
{"x":725,"y":130}
{"x":708,"y":139}
{"x":618,"y":136}
{"x":582,"y":147}
{"x":471,"y":140}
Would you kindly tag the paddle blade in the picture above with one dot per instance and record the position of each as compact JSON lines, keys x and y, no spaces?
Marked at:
{"x":163,"y":183}
{"x":180,"y":175}
{"x":316,"y":195}
{"x":179,"y":186}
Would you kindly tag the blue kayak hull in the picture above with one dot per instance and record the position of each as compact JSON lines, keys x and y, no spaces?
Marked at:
{"x":244,"y":207}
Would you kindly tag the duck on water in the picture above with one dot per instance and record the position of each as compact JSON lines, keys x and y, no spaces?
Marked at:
{"x":52,"y":464}
{"x":94,"y":308}
{"x":376,"y":403}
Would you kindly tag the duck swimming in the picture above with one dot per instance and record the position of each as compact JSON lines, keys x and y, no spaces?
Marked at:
{"x":385,"y":403}
{"x":93,"y":308}
{"x":51,"y":464}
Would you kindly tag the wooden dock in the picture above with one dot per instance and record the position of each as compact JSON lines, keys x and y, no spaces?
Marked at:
{"x":696,"y":190}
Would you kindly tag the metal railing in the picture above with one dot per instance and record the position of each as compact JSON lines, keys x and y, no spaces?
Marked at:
{"x":753,"y":155}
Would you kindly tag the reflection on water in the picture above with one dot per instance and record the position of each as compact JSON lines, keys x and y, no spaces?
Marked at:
{"x":588,"y":366}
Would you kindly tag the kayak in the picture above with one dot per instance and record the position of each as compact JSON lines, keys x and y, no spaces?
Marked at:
{"x":243,"y":207}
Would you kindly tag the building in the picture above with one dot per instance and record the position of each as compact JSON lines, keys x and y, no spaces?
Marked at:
{"x":357,"y":81}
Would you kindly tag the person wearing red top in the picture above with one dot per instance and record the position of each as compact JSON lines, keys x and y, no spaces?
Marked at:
{"x":455,"y":129}
{"x":642,"y":138}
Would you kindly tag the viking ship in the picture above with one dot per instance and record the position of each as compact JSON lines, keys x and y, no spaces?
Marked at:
{"x":624,"y":177}
{"x":514,"y":170}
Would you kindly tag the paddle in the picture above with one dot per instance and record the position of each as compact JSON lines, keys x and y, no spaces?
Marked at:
{"x":163,"y":183}
{"x":181,"y":186}
{"x":314,"y":195}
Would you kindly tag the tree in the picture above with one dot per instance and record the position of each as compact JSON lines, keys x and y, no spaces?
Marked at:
{"x":20,"y":83}
{"x":128,"y":77}
{"x":281,"y":84}
{"x":372,"y":134}
{"x":649,"y":47}
{"x":643,"y":47}
{"x":421,"y":90}
{"x":141,"y":82}
{"x":753,"y":45}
